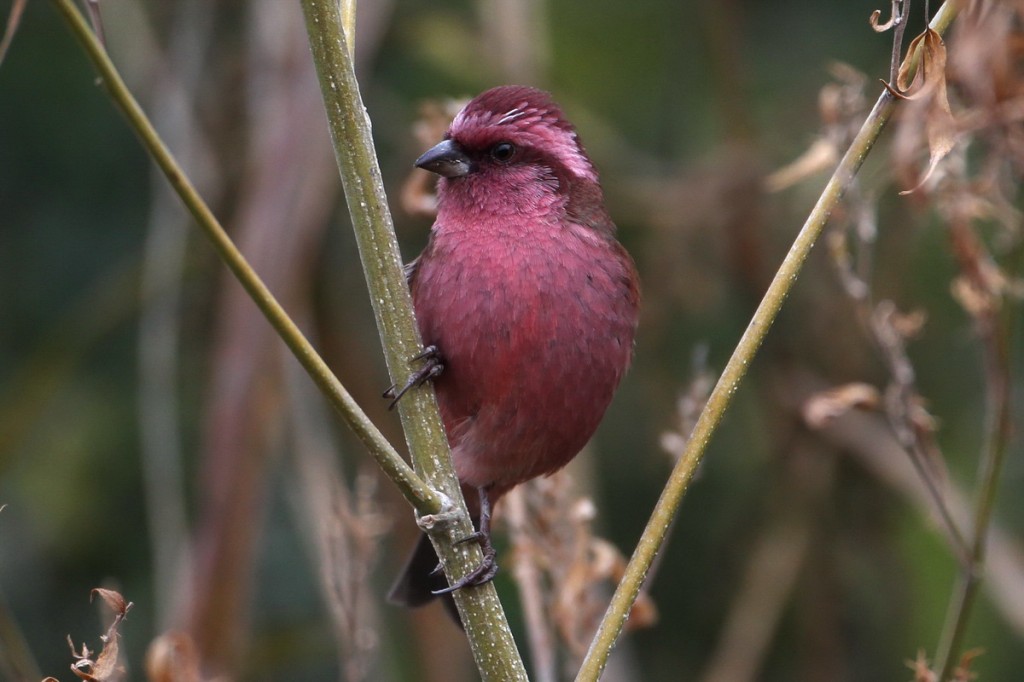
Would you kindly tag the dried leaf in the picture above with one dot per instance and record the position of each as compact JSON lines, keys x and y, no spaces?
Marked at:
{"x":823,"y":407}
{"x":922,"y":673}
{"x":917,"y":65}
{"x":85,"y":655}
{"x":923,"y":421}
{"x":893,"y":16}
{"x":963,"y":671}
{"x":104,"y":668}
{"x":83,"y":663}
{"x":820,"y":156}
{"x":907,"y":325}
{"x":690,"y":404}
{"x":977,"y":302}
{"x":77,"y":669}
{"x":113,"y":599}
{"x":841,"y":106}
{"x":929,"y":85}
{"x":643,"y":614}
{"x":983,"y":70}
{"x":13,"y":20}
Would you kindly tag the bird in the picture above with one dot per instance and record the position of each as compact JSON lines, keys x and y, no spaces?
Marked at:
{"x":526,"y":303}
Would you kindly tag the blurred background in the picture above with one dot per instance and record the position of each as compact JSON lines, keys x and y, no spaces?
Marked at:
{"x":156,"y":439}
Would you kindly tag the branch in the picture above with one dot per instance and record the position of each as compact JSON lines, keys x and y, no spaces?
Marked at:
{"x":412,"y":486}
{"x":486,"y":627}
{"x":735,"y":369}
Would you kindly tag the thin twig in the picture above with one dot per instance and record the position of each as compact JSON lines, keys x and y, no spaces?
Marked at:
{"x":490,"y":638}
{"x":876,"y":320}
{"x":13,"y":20}
{"x":992,"y":458}
{"x":409,"y":483}
{"x":899,"y":28}
{"x":536,"y":612}
{"x":654,"y":534}
{"x":901,"y":418}
{"x":995,"y":332}
{"x":161,"y":290}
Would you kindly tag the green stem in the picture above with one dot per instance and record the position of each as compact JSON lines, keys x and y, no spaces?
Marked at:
{"x":997,"y":333}
{"x":667,"y":505}
{"x":490,"y":638}
{"x":990,"y":467}
{"x":411,"y":485}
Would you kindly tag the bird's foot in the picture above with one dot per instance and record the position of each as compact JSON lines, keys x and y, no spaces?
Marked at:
{"x":484,"y":573}
{"x":431,"y":369}
{"x":488,"y":568}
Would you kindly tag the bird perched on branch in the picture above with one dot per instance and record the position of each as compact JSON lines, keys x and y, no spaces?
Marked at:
{"x":526,"y":303}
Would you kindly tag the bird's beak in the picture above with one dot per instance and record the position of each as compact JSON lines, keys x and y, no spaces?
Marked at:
{"x":447,"y":159}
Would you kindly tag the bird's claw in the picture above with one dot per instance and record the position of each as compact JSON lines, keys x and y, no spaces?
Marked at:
{"x":431,"y":369}
{"x":488,"y":568}
{"x":477,"y":536}
{"x":484,"y":573}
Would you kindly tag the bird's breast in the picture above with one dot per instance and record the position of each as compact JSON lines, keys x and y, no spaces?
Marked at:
{"x":536,"y":330}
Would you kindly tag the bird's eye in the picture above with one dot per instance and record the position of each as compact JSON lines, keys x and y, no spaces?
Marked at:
{"x":503,"y":152}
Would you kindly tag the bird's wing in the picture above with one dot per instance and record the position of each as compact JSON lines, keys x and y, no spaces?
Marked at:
{"x":586,"y":207}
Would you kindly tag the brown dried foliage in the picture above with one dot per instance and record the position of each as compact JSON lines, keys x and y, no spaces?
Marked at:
{"x":924,"y":87}
{"x":894,"y":16}
{"x":842,"y":105}
{"x":351,"y":524}
{"x":574,"y":568}
{"x":825,"y":406}
{"x":983,"y":71}
{"x":689,"y":405}
{"x":961,"y":107}
{"x":104,"y":667}
{"x":962,"y":673}
{"x":417,"y":196}
{"x":972,"y":94}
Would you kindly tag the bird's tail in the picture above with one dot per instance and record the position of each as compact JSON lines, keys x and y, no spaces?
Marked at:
{"x":416,"y":584}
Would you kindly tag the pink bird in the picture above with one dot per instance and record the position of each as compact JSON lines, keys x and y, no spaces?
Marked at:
{"x":527,"y":304}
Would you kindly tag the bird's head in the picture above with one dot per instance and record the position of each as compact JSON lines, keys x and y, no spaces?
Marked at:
{"x":507,"y":142}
